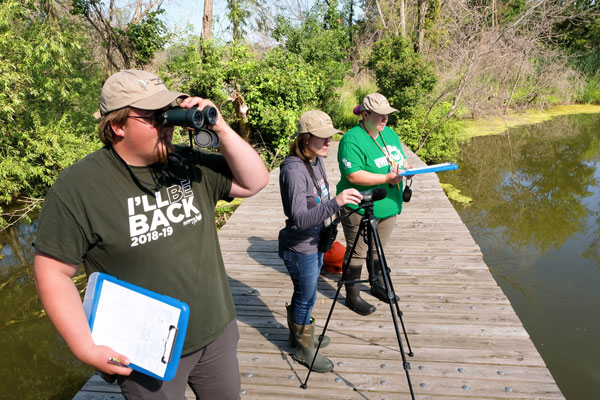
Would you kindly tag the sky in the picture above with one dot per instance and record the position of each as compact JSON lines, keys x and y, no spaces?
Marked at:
{"x":179,"y":13}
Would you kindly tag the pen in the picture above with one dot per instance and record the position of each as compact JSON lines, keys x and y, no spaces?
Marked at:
{"x":116,"y":361}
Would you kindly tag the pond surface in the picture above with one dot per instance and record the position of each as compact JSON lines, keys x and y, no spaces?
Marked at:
{"x":536,"y":216}
{"x":36,"y":363}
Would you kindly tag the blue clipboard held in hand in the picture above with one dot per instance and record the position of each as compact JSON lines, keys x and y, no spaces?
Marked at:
{"x":429,"y":168}
{"x":147,"y":327}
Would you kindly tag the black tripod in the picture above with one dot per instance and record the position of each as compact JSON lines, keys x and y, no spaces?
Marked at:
{"x":368,"y":231}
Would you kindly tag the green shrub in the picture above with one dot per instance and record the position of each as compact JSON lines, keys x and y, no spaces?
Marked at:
{"x":322,"y":42}
{"x":277,"y":88}
{"x":50,"y":90}
{"x":443,"y":142}
{"x":277,"y":91}
{"x":403,"y":76}
{"x":591,"y":91}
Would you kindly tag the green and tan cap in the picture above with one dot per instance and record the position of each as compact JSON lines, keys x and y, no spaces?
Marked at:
{"x":377,"y":103}
{"x":317,"y":123}
{"x":139,"y":89}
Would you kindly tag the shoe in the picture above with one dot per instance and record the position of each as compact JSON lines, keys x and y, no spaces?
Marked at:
{"x":306,"y":349}
{"x":292,"y":337}
{"x":378,"y":288}
{"x":353,"y":299}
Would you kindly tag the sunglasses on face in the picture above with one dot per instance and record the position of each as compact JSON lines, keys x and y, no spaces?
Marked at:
{"x":156,"y":119}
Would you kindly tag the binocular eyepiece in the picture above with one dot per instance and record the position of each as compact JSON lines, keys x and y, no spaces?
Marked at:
{"x":196,"y":119}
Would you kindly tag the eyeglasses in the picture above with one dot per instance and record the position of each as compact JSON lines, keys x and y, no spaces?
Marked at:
{"x":156,"y":119}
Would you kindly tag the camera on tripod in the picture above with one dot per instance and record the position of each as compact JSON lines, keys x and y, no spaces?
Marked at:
{"x":370,"y":196}
{"x":198,"y":120}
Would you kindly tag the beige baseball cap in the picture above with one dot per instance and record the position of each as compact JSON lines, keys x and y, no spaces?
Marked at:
{"x":139,"y":89}
{"x":378,"y":103}
{"x":317,"y":123}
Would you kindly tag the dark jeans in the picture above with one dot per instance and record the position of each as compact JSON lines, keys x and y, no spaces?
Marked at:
{"x":212,"y":372}
{"x":304,"y":269}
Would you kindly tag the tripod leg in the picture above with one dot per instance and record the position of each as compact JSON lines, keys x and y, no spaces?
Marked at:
{"x":391,"y":295}
{"x":378,"y":285}
{"x":355,"y":233}
{"x":374,"y":239}
{"x":343,"y":280}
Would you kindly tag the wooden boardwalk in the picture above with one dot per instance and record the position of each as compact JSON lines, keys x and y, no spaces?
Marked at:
{"x":468,"y":343}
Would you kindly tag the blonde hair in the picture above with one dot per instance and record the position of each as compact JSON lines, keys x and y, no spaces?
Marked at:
{"x":299,"y":147}
{"x":105,"y":131}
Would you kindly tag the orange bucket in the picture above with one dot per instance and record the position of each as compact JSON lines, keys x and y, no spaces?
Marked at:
{"x":334,"y":258}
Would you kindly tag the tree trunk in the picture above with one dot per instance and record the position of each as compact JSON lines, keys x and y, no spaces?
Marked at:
{"x":207,"y":19}
{"x":350,"y":19}
{"x":421,"y":25}
{"x":403,"y":18}
{"x":381,"y":15}
{"x":241,"y":111}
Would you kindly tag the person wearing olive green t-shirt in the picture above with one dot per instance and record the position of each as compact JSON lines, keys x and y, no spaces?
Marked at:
{"x":128,"y":210}
{"x":370,"y":156}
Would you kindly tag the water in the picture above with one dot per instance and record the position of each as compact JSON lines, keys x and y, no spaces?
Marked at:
{"x":36,"y":363}
{"x":536,"y":217}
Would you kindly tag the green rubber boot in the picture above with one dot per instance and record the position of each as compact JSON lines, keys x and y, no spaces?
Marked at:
{"x":292,"y":337}
{"x":306,"y":349}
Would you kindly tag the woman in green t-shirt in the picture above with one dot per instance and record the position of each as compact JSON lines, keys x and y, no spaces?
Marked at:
{"x":370,"y":156}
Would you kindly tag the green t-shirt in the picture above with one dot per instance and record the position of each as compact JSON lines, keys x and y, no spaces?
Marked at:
{"x":358,"y":151}
{"x":151,"y":231}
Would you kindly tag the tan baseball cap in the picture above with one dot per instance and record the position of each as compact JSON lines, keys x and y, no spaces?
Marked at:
{"x":139,"y":89}
{"x":378,"y":103}
{"x":317,"y":123}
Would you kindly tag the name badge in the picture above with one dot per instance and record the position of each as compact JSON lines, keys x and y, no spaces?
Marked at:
{"x":324,"y":191}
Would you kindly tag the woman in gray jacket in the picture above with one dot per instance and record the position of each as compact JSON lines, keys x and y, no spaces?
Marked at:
{"x":307,"y":206}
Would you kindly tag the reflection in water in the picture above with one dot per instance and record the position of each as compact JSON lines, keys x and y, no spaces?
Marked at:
{"x":36,"y":363}
{"x":536,"y":217}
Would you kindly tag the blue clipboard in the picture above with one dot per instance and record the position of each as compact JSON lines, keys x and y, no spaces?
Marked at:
{"x":429,"y":168}
{"x":147,"y":327}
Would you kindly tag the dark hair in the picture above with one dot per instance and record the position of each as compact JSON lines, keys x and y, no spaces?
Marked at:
{"x":105,"y":131}
{"x":357,"y":110}
{"x":299,"y":147}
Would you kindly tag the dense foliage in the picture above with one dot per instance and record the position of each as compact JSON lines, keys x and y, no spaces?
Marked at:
{"x":403,"y":76}
{"x":49,"y":92}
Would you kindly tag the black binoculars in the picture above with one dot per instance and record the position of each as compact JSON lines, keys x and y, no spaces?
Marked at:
{"x":190,"y":117}
{"x":196,"y":119}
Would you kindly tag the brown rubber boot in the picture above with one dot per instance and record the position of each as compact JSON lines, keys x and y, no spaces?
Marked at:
{"x":306,"y":349}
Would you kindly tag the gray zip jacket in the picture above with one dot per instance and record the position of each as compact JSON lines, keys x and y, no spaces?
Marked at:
{"x":306,"y":209}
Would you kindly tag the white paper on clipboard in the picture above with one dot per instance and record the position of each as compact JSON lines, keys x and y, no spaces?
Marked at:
{"x":135,"y":325}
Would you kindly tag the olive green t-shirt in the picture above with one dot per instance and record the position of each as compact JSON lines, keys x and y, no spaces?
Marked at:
{"x":142,"y":227}
{"x":357,"y":151}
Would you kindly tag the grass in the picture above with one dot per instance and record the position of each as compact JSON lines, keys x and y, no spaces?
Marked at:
{"x":349,"y":95}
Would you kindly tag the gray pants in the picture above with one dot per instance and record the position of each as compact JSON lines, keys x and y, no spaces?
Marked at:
{"x":385,"y":226}
{"x":212,"y":372}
